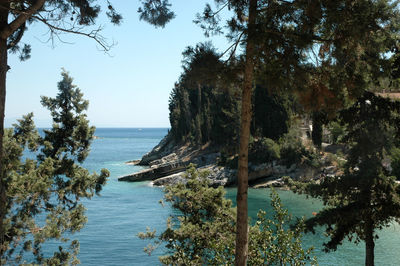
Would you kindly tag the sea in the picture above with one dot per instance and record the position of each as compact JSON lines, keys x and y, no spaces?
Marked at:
{"x":124,"y":209}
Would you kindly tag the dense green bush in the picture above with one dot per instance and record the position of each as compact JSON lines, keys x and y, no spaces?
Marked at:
{"x":292,"y":148}
{"x":337,"y":132}
{"x":263,"y":151}
{"x":294,"y":152}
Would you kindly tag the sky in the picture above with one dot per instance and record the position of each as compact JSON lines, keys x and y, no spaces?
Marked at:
{"x":129,"y":87}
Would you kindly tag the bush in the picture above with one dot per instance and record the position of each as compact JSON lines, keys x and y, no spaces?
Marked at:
{"x":292,"y":149}
{"x":337,"y":132}
{"x":263,"y":151}
{"x":294,"y":152}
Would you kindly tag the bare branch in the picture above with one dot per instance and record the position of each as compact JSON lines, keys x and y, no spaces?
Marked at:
{"x":233,"y":47}
{"x":94,"y":34}
{"x":219,"y":10}
{"x":18,"y":38}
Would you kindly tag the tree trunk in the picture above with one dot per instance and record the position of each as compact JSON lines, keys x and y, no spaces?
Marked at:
{"x":241,"y":199}
{"x":199,"y":97}
{"x":199,"y":116}
{"x":316,"y":133}
{"x":3,"y":73}
{"x":369,"y":243}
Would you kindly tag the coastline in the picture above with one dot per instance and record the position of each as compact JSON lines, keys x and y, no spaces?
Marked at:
{"x":168,"y":160}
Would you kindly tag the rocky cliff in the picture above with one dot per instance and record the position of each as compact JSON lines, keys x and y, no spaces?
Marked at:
{"x":168,"y":161}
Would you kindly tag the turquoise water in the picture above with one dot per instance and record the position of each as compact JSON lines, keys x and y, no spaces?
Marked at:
{"x":124,"y":209}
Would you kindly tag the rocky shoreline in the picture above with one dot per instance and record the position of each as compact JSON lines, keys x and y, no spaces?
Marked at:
{"x":168,"y":161}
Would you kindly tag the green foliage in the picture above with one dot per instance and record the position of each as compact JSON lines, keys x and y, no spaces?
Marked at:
{"x":202,"y":106}
{"x":204,"y":231}
{"x":365,"y":198}
{"x":272,"y":243}
{"x":156,"y":12}
{"x":395,"y":164}
{"x":293,"y":151}
{"x":43,"y":194}
{"x":337,"y":132}
{"x":270,"y":114}
{"x":292,"y":148}
{"x":263,"y":151}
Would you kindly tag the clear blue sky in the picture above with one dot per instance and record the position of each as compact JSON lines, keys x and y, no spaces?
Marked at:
{"x":128,"y":88}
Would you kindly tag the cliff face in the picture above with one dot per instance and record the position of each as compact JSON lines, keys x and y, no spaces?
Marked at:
{"x":162,"y":149}
{"x":168,"y":161}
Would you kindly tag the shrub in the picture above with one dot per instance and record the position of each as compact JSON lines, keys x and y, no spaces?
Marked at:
{"x":263,"y":151}
{"x":337,"y":132}
{"x":292,"y":149}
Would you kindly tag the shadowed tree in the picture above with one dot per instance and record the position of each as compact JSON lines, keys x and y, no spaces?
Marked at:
{"x":366,"y":197}
{"x":201,"y":66}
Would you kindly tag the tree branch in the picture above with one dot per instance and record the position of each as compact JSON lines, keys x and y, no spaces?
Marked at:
{"x":18,"y":38}
{"x":219,"y":10}
{"x":94,"y":34}
{"x":233,"y":47}
{"x":21,"y":19}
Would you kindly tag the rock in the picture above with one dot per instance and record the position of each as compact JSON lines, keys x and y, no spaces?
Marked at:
{"x":330,"y":170}
{"x":169,"y":180}
{"x":166,"y":159}
{"x":254,"y":175}
{"x":163,"y":148}
{"x":206,"y":159}
{"x":133,"y":162}
{"x":272,"y":183}
{"x":220,"y":176}
{"x":217,"y":175}
{"x":154,"y":172}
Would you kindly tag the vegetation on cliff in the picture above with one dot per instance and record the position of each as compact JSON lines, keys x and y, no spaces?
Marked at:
{"x":204,"y":104}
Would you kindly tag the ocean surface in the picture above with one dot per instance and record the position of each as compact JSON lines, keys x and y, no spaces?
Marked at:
{"x":124,"y":209}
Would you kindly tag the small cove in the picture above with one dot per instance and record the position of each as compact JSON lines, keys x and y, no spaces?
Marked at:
{"x":124,"y":209}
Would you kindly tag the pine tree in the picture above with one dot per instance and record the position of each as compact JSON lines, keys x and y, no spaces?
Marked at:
{"x":366,"y":197}
{"x":64,"y":16}
{"x":44,"y":190}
